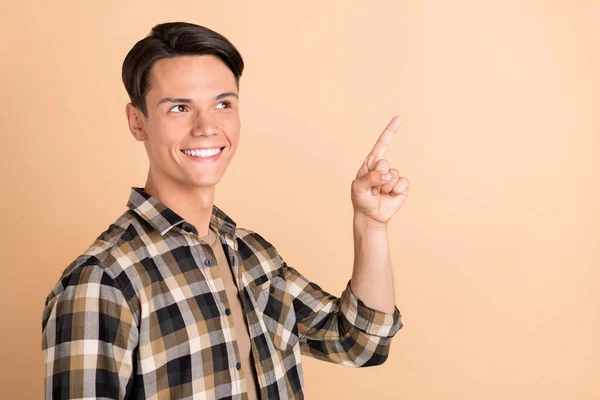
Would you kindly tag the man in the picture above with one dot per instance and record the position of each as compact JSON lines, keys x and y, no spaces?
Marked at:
{"x":174,"y":300}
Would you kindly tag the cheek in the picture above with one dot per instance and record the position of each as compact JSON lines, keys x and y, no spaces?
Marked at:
{"x":168,"y":134}
{"x":233,"y":126}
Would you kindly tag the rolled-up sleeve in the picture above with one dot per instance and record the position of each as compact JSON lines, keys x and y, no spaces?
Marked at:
{"x":341,"y":330}
{"x":88,"y":338}
{"x":367,"y":319}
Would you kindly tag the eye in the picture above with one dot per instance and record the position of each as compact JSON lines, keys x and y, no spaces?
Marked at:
{"x":226,"y":102}
{"x":176,"y":107}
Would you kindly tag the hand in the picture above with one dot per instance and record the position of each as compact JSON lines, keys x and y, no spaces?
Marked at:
{"x":373,"y":196}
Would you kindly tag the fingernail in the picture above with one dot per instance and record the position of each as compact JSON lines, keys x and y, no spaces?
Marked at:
{"x":386,"y":176}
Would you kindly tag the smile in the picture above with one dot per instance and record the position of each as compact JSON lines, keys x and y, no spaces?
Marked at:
{"x":204,"y":155}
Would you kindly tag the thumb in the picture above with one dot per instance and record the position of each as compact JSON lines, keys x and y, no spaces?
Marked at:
{"x":372,"y":179}
{"x":382,"y":166}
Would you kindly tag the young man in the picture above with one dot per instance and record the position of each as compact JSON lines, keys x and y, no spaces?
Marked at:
{"x":174,"y":300}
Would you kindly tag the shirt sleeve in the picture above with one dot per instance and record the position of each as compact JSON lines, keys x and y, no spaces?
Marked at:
{"x":88,"y":338}
{"x":341,"y":330}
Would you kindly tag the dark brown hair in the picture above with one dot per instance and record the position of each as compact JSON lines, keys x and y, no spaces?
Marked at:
{"x":174,"y":39}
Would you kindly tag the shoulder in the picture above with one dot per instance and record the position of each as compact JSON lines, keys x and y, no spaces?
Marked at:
{"x":96,"y":265}
{"x":105,"y":244}
{"x":250,"y":241}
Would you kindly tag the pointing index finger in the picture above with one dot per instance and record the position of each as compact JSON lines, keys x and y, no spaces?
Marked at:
{"x":384,"y":140}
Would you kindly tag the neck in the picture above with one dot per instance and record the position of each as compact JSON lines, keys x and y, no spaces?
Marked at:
{"x":192,"y":203}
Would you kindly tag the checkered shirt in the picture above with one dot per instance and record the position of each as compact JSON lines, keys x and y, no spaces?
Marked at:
{"x":141,"y":315}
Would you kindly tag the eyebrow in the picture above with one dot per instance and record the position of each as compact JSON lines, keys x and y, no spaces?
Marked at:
{"x":188,"y":101}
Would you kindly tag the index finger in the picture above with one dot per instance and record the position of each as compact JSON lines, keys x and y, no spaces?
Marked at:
{"x":385,"y":139}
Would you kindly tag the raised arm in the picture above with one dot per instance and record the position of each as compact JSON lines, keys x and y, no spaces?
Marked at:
{"x":341,"y":330}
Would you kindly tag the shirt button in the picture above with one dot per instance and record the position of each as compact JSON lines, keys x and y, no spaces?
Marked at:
{"x":187,"y":228}
{"x":238,"y":366}
{"x":227,"y":311}
{"x":207,"y":262}
{"x":272,"y":289}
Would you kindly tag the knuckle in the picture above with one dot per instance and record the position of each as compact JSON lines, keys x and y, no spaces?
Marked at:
{"x":382,"y":165}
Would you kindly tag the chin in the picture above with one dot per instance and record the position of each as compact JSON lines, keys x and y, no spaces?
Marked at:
{"x":207,"y":183}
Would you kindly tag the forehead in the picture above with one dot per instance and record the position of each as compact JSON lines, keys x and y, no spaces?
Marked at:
{"x":190,"y":74}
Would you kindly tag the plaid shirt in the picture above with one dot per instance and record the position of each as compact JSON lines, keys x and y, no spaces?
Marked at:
{"x":141,"y":315}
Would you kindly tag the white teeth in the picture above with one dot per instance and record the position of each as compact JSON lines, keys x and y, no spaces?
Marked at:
{"x":202,"y":153}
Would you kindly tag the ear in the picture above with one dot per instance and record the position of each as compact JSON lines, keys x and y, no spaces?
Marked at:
{"x":136,"y":122}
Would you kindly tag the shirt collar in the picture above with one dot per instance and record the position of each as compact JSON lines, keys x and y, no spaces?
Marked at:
{"x":162,"y":218}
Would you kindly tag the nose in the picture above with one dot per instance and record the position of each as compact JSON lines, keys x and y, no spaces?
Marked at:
{"x":204,"y":125}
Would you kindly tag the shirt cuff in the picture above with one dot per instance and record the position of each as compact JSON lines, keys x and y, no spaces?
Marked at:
{"x":367,"y":319}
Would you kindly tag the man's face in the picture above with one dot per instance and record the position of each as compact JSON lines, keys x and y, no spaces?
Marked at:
{"x":192,"y":104}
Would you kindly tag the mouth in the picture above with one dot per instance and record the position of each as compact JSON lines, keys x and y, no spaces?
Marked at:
{"x":204,"y":155}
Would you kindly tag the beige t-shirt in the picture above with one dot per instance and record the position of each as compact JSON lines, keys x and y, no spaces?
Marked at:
{"x":239,"y":321}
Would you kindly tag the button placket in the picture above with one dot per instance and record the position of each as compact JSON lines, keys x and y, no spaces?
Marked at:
{"x":199,"y":252}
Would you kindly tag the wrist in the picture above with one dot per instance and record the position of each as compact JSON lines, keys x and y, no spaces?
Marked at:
{"x":364,"y":223}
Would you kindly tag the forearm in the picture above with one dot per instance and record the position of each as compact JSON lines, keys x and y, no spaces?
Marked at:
{"x":372,"y":277}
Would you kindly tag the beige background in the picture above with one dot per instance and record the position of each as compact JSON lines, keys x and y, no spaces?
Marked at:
{"x":496,"y":252}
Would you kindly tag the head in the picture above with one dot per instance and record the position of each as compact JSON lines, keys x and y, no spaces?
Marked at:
{"x":183,"y":83}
